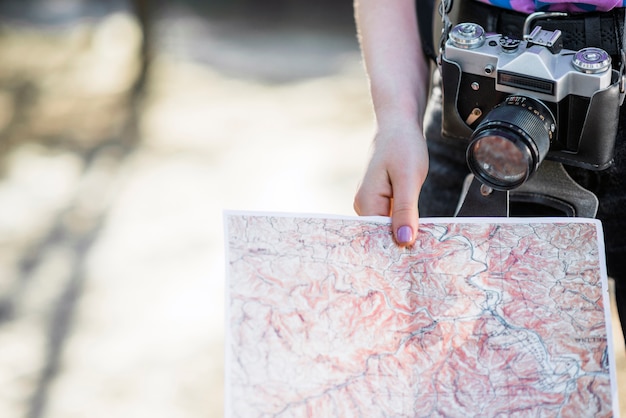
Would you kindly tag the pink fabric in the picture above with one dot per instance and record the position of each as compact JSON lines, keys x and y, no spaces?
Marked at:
{"x":529,"y":6}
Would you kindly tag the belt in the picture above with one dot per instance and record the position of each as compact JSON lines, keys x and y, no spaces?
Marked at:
{"x":598,"y":29}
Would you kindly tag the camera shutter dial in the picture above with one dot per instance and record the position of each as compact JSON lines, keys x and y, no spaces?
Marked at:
{"x":509,"y":44}
{"x":467,"y":35}
{"x":591,"y":60}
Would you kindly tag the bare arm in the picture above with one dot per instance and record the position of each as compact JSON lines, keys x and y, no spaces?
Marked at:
{"x":398,"y":75}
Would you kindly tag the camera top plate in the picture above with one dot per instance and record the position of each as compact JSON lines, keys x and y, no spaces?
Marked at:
{"x":539,"y":60}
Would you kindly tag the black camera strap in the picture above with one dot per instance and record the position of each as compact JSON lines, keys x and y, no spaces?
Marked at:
{"x":622,"y":65}
{"x":425,"y":9}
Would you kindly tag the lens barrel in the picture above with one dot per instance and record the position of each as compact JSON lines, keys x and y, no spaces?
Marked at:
{"x":509,"y":144}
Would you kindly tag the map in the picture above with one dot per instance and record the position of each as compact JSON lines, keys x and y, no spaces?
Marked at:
{"x":482,"y":317}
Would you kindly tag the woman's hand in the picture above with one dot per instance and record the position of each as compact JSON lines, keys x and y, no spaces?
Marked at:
{"x":398,"y":76}
{"x":395,"y":174}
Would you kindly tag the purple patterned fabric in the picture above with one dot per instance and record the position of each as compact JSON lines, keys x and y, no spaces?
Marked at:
{"x":529,"y":6}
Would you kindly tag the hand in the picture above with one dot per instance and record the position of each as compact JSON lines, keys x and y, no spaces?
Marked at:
{"x":394,"y":177}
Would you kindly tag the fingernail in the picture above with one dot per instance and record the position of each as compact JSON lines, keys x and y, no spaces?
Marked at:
{"x":404,"y":234}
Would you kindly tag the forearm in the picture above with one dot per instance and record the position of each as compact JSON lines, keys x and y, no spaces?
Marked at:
{"x":397,"y":68}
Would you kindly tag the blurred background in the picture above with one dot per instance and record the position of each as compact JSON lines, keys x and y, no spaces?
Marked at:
{"x":126,"y":129}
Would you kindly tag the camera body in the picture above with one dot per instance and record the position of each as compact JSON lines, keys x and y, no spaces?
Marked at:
{"x":579,"y":91}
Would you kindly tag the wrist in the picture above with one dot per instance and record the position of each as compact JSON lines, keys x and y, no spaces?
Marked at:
{"x":396,"y":106}
{"x":397,"y":119}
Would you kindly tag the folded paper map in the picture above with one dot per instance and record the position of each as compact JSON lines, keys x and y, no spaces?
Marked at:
{"x":482,"y":317}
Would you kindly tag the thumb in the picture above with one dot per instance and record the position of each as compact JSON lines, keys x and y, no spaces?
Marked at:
{"x":405,"y":214}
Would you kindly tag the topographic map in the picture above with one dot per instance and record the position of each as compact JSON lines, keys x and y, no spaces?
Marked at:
{"x":328,"y":317}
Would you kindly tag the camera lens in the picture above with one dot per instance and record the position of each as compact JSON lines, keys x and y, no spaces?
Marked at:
{"x":500,"y":160}
{"x":509,"y":144}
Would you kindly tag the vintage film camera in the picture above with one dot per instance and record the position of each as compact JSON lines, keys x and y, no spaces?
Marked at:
{"x":522,"y":101}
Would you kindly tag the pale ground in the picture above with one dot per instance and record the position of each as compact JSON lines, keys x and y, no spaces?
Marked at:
{"x":111,"y":237}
